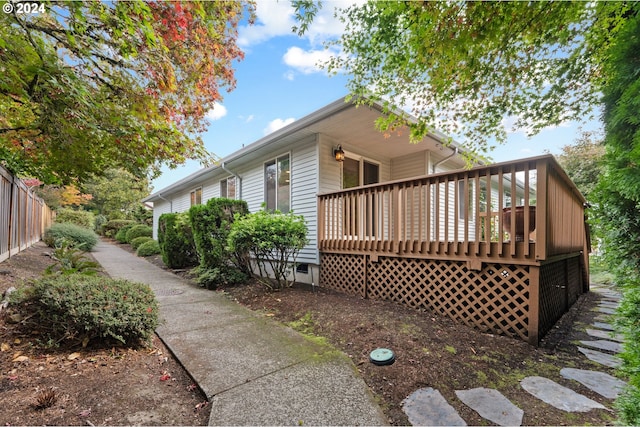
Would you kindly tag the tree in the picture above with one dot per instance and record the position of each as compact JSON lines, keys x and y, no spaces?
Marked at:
{"x":116,"y":194}
{"x":583,"y":161}
{"x":89,"y":85}
{"x":463,"y":67}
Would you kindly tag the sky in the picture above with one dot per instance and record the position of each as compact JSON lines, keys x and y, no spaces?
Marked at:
{"x":279,"y":82}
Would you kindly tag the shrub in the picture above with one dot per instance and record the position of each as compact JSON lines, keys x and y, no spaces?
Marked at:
{"x":111,"y":227}
{"x":69,"y":260}
{"x":80,"y":308}
{"x":211,"y":224}
{"x":121,"y":235}
{"x":74,"y":236}
{"x":274,"y":239}
{"x":82,"y":218}
{"x":626,"y":321}
{"x":213,"y":277}
{"x":175,"y":238}
{"x":139,"y":231}
{"x":148,"y":248}
{"x":98,"y":223}
{"x":135,"y":243}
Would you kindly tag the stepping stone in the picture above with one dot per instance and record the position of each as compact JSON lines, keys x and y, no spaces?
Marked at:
{"x":600,"y":382}
{"x":558,"y":396}
{"x":601,"y":358}
{"x":604,"y":345}
{"x":603,"y":325}
{"x":606,"y":310}
{"x":603,"y":318}
{"x":427,"y":407}
{"x":608,"y":304}
{"x":607,"y":335}
{"x":492,"y":405}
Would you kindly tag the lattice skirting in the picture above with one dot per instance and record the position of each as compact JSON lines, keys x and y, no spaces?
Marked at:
{"x":494,"y":299}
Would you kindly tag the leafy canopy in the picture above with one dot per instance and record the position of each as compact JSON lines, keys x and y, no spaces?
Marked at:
{"x":464,"y":67}
{"x":90,"y":85}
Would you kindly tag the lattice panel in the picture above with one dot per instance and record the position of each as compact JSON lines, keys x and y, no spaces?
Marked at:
{"x":574,"y":277}
{"x":344,"y":273}
{"x":553,"y":295}
{"x":494,"y":299}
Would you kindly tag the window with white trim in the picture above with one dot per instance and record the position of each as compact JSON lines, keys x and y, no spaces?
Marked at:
{"x":277,"y":184}
{"x":228,"y":187}
{"x":196,"y":196}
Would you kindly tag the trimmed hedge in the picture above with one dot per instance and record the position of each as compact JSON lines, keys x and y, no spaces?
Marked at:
{"x":175,"y":238}
{"x":139,"y":231}
{"x":211,"y":224}
{"x":81,"y":218}
{"x":74,"y":235}
{"x":121,"y":235}
{"x":148,"y":248}
{"x":85,"y":308}
{"x":111,"y":227}
{"x":135,"y":243}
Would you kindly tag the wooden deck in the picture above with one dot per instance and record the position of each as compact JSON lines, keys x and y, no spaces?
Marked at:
{"x":448,"y":241}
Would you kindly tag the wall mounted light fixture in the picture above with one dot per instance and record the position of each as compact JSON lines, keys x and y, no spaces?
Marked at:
{"x":338,"y":153}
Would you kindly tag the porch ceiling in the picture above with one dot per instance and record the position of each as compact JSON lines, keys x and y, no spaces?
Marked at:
{"x":356,"y":127}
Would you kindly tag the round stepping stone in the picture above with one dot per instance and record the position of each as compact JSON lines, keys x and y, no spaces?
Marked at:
{"x":600,"y":357}
{"x":600,"y":382}
{"x":427,"y":407}
{"x":492,"y":405}
{"x":558,"y":396}
{"x":604,"y":345}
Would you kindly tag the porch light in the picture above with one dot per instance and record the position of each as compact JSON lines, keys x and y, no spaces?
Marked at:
{"x":339,"y":153}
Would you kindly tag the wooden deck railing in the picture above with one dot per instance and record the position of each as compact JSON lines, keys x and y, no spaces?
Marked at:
{"x":460,"y":215}
{"x":23,"y":216}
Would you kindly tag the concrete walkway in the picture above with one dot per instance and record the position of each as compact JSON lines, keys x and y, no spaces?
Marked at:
{"x":253,"y":370}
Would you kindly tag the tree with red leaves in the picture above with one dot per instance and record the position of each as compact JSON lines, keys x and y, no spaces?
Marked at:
{"x":86,"y":86}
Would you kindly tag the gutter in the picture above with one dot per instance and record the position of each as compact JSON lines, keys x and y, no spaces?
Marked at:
{"x":238,"y":178}
{"x":435,"y":165}
{"x":170,"y":202}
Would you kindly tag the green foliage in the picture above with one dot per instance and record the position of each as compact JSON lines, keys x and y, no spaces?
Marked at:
{"x":98,"y":223}
{"x":211,"y":278}
{"x":583,"y":161}
{"x":82,"y":218}
{"x":627,"y":323}
{"x":136,"y":96}
{"x":121,"y":235}
{"x":117,"y":194}
{"x":74,"y":236}
{"x":69,"y":260}
{"x":111,"y":227}
{"x":135,"y":243}
{"x":148,"y":248}
{"x":139,"y":231}
{"x":274,"y":239}
{"x":80,"y":308}
{"x":176,"y":240}
{"x":210,"y":224}
{"x":463,"y":67}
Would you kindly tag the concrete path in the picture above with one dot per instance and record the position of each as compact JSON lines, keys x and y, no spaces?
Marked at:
{"x":253,"y":370}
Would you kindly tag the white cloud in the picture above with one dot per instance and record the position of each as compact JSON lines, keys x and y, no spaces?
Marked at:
{"x":509,"y":124}
{"x":290,"y":75}
{"x":306,"y":61}
{"x":217,"y":112}
{"x":276,"y":124}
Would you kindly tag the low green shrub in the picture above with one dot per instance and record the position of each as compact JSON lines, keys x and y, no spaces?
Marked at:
{"x":139,"y":231}
{"x":148,"y":248}
{"x":213,"y":277}
{"x":110,"y":228}
{"x":135,"y":243}
{"x":121,"y":235}
{"x":626,"y":321}
{"x":274,"y":239}
{"x":77,"y":217}
{"x":79,"y":308}
{"x":69,"y":260}
{"x":175,"y":238}
{"x":74,"y":236}
{"x":98,"y":223}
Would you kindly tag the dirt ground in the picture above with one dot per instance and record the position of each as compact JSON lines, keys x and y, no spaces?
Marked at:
{"x":124,"y":386}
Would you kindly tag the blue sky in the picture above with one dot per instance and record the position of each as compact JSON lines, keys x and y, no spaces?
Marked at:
{"x":278,"y":82}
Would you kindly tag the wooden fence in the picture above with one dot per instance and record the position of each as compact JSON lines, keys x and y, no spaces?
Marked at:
{"x":23,"y":216}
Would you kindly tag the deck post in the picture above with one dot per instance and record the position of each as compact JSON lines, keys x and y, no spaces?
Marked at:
{"x":541,"y":210}
{"x":534,"y":305}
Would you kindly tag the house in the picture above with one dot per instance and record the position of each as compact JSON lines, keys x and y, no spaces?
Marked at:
{"x":409,"y":222}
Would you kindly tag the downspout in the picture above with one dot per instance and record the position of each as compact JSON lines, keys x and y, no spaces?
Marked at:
{"x":238,"y":177}
{"x":433,"y":168}
{"x":170,"y":202}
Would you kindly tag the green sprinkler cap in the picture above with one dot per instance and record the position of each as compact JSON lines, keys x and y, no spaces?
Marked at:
{"x":382,"y":356}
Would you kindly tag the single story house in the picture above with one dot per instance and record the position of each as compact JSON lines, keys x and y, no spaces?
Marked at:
{"x":501,"y":247}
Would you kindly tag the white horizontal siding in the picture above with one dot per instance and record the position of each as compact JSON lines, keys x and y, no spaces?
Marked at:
{"x":411,"y":165}
{"x":304,"y":190}
{"x":159,"y":208}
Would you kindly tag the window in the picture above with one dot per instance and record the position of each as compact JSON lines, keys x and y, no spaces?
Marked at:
{"x":196,"y":196}
{"x":228,"y":187}
{"x":277,"y":178}
{"x":356,"y":172}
